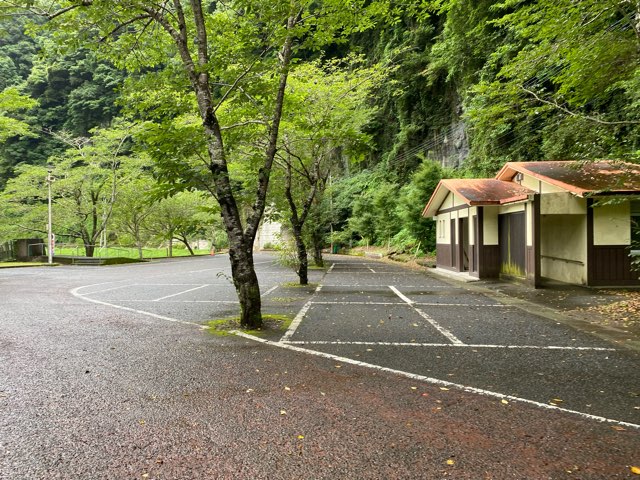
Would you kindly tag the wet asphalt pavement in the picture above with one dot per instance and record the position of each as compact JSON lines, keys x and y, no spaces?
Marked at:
{"x":106,"y":373}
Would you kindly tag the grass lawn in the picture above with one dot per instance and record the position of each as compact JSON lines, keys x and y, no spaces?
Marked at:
{"x":127,"y":252}
{"x":21,"y":264}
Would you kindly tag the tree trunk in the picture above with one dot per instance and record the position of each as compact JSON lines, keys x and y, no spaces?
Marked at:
{"x":240,"y":240}
{"x":88,"y":244}
{"x":301,"y":249}
{"x":246,"y":282}
{"x":136,"y":236}
{"x":317,"y":250}
{"x":185,"y":241}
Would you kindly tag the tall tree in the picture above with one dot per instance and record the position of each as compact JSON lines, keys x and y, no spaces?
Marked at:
{"x":11,"y":103}
{"x":223,"y":50}
{"x":181,"y":217}
{"x":86,"y":181}
{"x":324,"y":118}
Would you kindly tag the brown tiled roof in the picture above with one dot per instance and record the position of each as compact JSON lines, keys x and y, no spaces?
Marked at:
{"x":487,"y":191}
{"x":579,"y":178}
{"x":479,"y":191}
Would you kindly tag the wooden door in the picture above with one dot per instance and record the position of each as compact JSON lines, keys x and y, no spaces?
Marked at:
{"x":512,"y":238}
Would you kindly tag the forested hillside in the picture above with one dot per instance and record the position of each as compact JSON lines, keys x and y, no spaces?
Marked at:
{"x":343,"y":115}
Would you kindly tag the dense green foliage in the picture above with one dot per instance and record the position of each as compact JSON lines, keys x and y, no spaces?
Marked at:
{"x":467,"y":86}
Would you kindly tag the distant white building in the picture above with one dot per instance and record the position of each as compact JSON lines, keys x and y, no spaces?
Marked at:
{"x":269,"y":235}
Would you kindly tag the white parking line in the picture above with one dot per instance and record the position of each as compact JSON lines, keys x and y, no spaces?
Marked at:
{"x":450,"y":345}
{"x":232,"y":302}
{"x":386,"y":285}
{"x":107,"y":289}
{"x":436,"y":381}
{"x":399,"y":294}
{"x":305,"y":308}
{"x":404,"y":274}
{"x":75,"y":293}
{"x":466,"y":305}
{"x":322,"y":302}
{"x":181,"y":293}
{"x":269,"y":291}
{"x":455,"y":340}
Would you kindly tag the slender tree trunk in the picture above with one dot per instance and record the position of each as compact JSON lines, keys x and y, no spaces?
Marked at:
{"x":246,"y":282}
{"x":88,"y":244}
{"x":317,"y":249}
{"x":185,"y":241}
{"x":196,"y":67}
{"x":136,"y":236}
{"x":301,"y":249}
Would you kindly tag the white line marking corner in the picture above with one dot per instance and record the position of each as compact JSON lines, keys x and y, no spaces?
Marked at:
{"x":435,"y":381}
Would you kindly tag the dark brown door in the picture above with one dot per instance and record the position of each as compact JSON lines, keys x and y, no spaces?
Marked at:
{"x":512,"y":238}
{"x":463,"y":244}
{"x":453,"y":243}
{"x":476,"y":250}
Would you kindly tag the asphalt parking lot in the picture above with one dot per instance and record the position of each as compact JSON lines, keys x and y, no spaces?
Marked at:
{"x":388,"y":316}
{"x":106,"y":372}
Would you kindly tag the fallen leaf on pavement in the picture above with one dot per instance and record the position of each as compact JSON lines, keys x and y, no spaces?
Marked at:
{"x":504,"y":402}
{"x":450,"y":462}
{"x":635,"y":470}
{"x":619,"y":428}
{"x":283,"y":412}
{"x":444,"y":389}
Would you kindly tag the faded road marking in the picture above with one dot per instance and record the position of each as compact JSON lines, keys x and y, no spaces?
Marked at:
{"x":455,"y":340}
{"x":75,"y":293}
{"x":180,"y":293}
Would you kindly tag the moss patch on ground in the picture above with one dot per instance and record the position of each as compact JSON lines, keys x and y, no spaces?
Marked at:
{"x":271,"y":324}
{"x":122,"y":260}
{"x":23,"y":264}
{"x":297,"y":285}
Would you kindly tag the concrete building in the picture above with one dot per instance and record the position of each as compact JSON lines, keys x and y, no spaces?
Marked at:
{"x":568,"y":221}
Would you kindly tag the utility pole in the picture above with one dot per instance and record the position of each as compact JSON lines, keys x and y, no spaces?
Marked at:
{"x":331,"y":212}
{"x":49,"y":231}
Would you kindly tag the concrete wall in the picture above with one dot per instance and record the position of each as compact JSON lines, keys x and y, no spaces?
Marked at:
{"x":443,"y":229}
{"x":612,"y":224}
{"x":563,"y":248}
{"x":562,"y":204}
{"x":443,"y":221}
{"x":269,"y":235}
{"x":490,"y":226}
{"x":539,"y":186}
